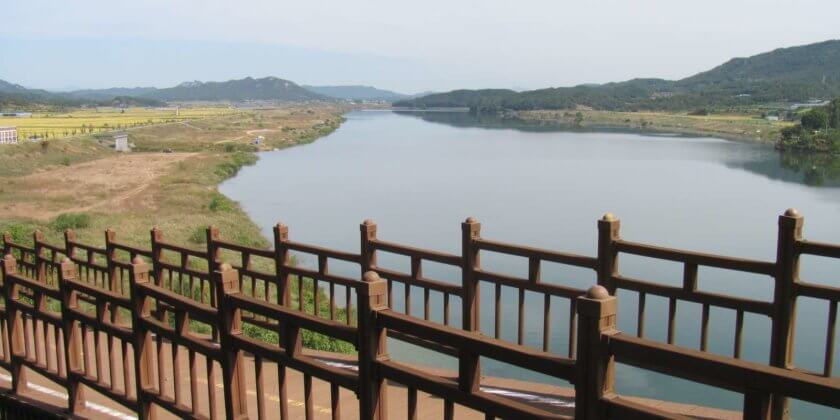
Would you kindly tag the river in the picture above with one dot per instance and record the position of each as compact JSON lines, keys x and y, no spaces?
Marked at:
{"x":419,"y":175}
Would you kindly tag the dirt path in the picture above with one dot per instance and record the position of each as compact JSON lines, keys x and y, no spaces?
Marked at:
{"x":106,"y":184}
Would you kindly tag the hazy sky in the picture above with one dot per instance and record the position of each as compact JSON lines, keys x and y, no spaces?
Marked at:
{"x":407,"y":46}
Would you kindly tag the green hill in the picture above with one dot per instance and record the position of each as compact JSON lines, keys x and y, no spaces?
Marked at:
{"x":268,"y":88}
{"x":784,"y":75}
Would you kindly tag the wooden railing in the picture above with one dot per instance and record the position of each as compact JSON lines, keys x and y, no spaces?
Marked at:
{"x":157,"y":327}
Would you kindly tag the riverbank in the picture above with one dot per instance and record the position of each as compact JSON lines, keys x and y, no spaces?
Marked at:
{"x":751,"y":128}
{"x":81,"y":183}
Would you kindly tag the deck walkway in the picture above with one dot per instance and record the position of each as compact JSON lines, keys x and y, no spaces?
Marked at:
{"x":553,"y":398}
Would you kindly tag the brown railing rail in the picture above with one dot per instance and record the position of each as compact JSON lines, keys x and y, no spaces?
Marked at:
{"x":158,"y":327}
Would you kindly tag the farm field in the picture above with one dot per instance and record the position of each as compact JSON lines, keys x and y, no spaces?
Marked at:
{"x":55,"y":125}
{"x":729,"y":126}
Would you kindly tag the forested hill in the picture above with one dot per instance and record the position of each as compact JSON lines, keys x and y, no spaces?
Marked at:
{"x":357,"y":93}
{"x":268,"y":88}
{"x":783,"y":75}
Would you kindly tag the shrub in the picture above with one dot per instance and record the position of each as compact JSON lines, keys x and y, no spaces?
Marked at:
{"x":220,"y":203}
{"x":234,"y":163}
{"x":70,"y":221}
{"x":21,"y":232}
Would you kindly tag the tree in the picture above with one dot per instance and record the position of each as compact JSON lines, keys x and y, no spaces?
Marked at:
{"x":834,"y":114}
{"x":579,"y":119}
{"x":815,"y":119}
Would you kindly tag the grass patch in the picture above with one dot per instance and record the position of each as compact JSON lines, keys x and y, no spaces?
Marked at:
{"x":70,"y":221}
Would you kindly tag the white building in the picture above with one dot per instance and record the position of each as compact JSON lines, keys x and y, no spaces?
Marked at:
{"x":8,"y":135}
{"x":121,"y":142}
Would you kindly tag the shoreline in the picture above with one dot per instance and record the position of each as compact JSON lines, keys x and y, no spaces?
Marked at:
{"x":741,"y":128}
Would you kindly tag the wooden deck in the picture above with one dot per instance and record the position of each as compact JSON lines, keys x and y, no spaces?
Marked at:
{"x":556,"y":399}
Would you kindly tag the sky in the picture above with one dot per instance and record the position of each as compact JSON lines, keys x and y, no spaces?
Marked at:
{"x":406,"y":46}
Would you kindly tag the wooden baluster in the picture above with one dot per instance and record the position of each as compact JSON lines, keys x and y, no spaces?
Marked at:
{"x":739,"y":333}
{"x":260,"y":383}
{"x":704,"y":328}
{"x":497,"y":326}
{"x":546,"y":321}
{"x":335,"y":402}
{"x":14,"y":325}
{"x":448,"y":410}
{"x":595,"y":366}
{"x":573,"y":322}
{"x":211,"y":388}
{"x":323,"y":269}
{"x":829,"y":338}
{"x":445,"y":305}
{"x":756,"y":405}
{"x":142,"y":338}
{"x":73,"y":338}
{"x":412,"y":403}
{"x":640,"y":317}
{"x":672,"y":315}
{"x":282,"y":392}
{"x":307,"y":397}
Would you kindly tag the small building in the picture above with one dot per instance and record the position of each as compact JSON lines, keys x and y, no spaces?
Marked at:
{"x":121,"y":142}
{"x":8,"y":135}
{"x":772,"y":118}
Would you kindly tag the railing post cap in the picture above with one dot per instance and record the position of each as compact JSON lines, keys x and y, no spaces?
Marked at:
{"x":471,"y":220}
{"x":225,"y":267}
{"x":368,"y":222}
{"x":371,"y":276}
{"x":597,"y":292}
{"x":609,"y":217}
{"x":792,"y":212}
{"x":137,"y":260}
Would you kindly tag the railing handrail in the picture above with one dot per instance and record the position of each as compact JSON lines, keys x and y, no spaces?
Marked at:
{"x":158,"y":290}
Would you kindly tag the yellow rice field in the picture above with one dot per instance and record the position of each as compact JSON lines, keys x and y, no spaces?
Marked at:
{"x":86,"y":121}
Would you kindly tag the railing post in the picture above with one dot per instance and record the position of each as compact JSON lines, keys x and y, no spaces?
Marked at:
{"x":595,"y":366}
{"x":14,"y":322}
{"x":608,"y":233}
{"x":156,"y":236}
{"x":469,"y":366}
{"x":142,"y":338}
{"x":233,"y":363}
{"x":281,"y":260}
{"x":40,"y":265}
{"x":373,"y":392}
{"x":368,"y":235}
{"x":73,"y":351}
{"x":784,"y":301}
{"x":116,"y":284}
{"x":7,"y":237}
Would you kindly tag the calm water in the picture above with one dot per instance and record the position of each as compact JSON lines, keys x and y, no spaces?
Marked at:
{"x":420,"y":175}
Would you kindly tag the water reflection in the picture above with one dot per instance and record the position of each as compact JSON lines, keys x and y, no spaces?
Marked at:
{"x":812,"y":169}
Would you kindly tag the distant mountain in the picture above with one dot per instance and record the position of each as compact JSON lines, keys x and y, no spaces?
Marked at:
{"x":268,"y":88}
{"x":783,"y":75}
{"x":357,"y":93}
{"x":105,"y":94}
{"x":14,"y":94}
{"x":17,"y":96}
